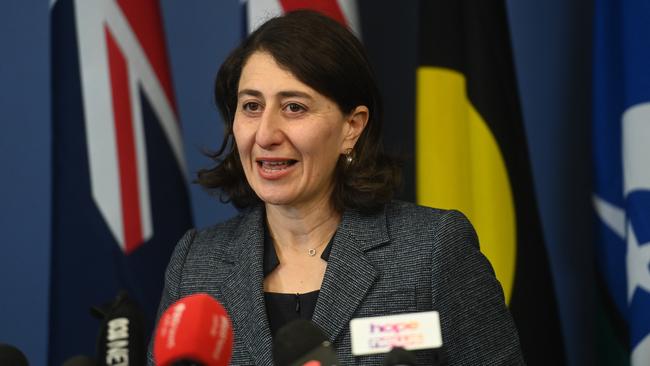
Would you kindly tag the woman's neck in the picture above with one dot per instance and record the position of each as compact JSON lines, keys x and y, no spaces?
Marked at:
{"x":304,"y":227}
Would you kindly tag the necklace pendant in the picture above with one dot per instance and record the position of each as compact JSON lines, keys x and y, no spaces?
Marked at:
{"x":311,"y":252}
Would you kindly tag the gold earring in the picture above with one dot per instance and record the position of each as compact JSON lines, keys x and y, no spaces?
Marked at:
{"x":348,"y":156}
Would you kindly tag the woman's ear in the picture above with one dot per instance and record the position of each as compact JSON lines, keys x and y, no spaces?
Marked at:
{"x":355,"y":123}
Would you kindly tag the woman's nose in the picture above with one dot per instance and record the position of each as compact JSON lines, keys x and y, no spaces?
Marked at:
{"x":268,"y":131}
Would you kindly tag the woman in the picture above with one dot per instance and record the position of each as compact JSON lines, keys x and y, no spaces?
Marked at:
{"x":318,"y":236}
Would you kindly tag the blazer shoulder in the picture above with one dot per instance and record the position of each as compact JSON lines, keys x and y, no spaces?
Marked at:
{"x":219,"y":230}
{"x":409,"y":214}
{"x":408,"y":209}
{"x":220,"y":238}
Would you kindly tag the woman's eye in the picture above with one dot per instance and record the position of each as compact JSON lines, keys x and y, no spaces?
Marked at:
{"x":251,"y":107}
{"x":295,"y":108}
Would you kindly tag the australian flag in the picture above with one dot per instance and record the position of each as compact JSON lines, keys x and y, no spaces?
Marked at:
{"x":621,"y":147}
{"x":120,"y":200}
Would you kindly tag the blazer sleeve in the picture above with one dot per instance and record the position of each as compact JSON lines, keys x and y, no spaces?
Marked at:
{"x":172,"y":282}
{"x":477,"y":328}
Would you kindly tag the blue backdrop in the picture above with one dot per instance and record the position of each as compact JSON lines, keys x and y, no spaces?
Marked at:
{"x":552,"y":45}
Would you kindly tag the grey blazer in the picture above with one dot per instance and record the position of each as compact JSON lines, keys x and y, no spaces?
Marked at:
{"x":406,"y":258}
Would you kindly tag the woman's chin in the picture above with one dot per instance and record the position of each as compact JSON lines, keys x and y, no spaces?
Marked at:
{"x":276,"y":199}
{"x":285,"y":200}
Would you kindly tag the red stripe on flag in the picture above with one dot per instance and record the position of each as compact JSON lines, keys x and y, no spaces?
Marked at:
{"x":328,"y":7}
{"x":145,"y":20}
{"x":124,"y":135}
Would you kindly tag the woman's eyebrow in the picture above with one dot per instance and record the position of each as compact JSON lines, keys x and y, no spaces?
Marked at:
{"x":294,"y":94}
{"x":281,"y":94}
{"x":251,"y":92}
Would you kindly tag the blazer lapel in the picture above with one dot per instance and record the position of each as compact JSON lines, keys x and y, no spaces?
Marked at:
{"x":243,"y":289}
{"x":349,"y":273}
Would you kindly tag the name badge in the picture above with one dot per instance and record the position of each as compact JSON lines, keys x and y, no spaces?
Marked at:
{"x":380,"y":334}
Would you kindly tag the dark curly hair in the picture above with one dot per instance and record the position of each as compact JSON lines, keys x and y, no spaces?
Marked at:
{"x":326,"y":56}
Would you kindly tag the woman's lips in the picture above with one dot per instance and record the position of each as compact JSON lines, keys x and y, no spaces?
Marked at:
{"x":274,"y":168}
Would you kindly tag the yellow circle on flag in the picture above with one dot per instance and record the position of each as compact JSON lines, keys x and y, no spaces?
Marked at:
{"x":460,"y":166}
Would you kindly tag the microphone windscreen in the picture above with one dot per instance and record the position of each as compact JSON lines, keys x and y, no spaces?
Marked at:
{"x":121,"y":334}
{"x":398,"y":356}
{"x":295,"y":340}
{"x":10,"y":355}
{"x":79,"y":361}
{"x":195,"y":329}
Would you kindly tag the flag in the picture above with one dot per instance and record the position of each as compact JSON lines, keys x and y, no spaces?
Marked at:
{"x":120,"y":200}
{"x":471,"y":155}
{"x":621,"y":151}
{"x":343,"y":11}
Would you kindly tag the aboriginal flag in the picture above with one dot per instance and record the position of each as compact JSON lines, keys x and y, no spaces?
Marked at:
{"x":471,"y":155}
{"x":120,"y":199}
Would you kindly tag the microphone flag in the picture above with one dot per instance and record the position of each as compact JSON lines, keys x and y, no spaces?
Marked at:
{"x":621,"y":197}
{"x":194,"y":330}
{"x":120,"y":199}
{"x":121,"y":332}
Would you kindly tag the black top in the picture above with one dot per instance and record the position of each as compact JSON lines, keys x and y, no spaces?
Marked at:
{"x":283,"y":308}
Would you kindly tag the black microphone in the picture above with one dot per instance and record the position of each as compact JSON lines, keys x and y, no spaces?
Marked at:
{"x":10,"y":355}
{"x":79,"y":360}
{"x":301,"y":342}
{"x":398,"y":356}
{"x":121,"y":334}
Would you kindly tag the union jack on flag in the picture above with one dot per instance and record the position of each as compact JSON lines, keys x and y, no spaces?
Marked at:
{"x":120,"y":200}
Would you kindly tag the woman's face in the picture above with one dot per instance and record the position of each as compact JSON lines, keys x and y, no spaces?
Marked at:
{"x":288,"y":135}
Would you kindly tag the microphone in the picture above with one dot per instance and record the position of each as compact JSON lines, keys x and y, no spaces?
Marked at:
{"x":302,"y":343}
{"x":398,"y":356}
{"x":195,"y":330}
{"x":79,"y":361}
{"x":121,"y":334}
{"x":10,"y":355}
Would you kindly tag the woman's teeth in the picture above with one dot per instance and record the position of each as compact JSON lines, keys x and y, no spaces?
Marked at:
{"x":276,"y":165}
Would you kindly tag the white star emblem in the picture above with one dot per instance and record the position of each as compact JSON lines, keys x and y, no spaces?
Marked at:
{"x":638,"y":259}
{"x":636,"y":149}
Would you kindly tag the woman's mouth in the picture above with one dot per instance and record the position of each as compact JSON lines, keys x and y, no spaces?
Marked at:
{"x":274,"y":168}
{"x":274,"y":165}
